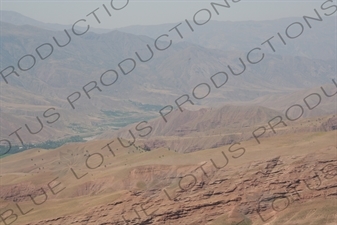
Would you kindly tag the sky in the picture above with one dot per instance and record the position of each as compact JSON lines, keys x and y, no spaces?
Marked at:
{"x":150,"y":12}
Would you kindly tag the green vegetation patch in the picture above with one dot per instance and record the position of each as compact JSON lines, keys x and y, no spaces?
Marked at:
{"x":44,"y":145}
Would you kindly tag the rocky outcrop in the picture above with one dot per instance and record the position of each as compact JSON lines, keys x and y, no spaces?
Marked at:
{"x":251,"y":193}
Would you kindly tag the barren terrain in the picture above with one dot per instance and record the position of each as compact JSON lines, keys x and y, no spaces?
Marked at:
{"x":293,"y":172}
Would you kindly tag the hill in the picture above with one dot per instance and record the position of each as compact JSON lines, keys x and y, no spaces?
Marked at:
{"x":245,"y":187}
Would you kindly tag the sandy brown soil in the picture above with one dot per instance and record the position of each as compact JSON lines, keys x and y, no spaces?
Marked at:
{"x":288,"y":179}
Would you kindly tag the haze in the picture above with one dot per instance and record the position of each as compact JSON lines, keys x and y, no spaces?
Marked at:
{"x":153,"y":12}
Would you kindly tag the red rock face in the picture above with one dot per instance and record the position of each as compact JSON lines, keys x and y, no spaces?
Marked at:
{"x":256,"y":193}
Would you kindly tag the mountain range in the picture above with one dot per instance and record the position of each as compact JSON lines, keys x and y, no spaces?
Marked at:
{"x":180,"y":139}
{"x":154,"y":84}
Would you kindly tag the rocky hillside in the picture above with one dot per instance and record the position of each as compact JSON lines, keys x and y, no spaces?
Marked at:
{"x":288,"y":179}
{"x":195,"y":130}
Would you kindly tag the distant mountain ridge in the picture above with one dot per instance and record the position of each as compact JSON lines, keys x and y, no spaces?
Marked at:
{"x":140,"y":94}
{"x":242,"y":35}
{"x":18,"y":19}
